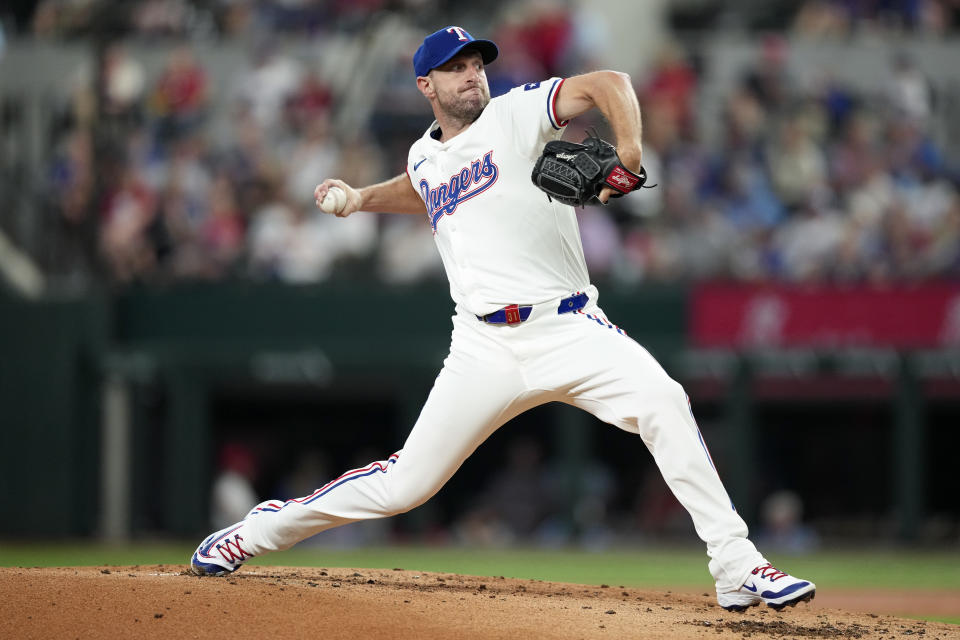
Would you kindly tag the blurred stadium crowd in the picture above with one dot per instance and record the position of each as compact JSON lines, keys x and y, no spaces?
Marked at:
{"x":807,"y":182}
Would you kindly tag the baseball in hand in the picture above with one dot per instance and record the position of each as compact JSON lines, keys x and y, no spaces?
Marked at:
{"x":334,"y":201}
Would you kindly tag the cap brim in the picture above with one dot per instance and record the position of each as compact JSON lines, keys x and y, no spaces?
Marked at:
{"x":487,"y":49}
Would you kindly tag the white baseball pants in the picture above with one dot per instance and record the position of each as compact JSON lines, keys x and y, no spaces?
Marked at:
{"x":492,"y":374}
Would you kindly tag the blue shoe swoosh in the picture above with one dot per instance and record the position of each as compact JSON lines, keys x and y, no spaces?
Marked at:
{"x":786,"y":591}
{"x":750,"y":587}
{"x":419,"y":163}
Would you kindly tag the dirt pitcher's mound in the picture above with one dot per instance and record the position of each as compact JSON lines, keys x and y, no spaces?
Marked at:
{"x":284,"y":602}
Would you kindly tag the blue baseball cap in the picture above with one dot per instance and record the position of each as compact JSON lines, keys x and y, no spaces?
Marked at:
{"x":443,"y":44}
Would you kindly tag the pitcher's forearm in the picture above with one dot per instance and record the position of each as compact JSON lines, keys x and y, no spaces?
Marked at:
{"x":396,"y":195}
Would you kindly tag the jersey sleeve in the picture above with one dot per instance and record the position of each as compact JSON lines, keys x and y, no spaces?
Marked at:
{"x":415,"y":157}
{"x":529,"y":115}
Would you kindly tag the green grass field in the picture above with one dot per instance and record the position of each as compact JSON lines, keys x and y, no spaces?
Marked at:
{"x":644,"y":568}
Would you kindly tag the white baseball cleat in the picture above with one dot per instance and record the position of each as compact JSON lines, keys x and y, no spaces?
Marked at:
{"x":221,"y":553}
{"x":224,"y":551}
{"x":768,"y":584}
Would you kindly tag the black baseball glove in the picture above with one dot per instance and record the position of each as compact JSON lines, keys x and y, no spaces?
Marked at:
{"x":575,"y":174}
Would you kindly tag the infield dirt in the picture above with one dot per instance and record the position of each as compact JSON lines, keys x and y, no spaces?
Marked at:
{"x":328,"y":604}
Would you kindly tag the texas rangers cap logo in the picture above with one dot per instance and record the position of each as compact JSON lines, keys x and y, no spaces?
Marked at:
{"x":443,"y":44}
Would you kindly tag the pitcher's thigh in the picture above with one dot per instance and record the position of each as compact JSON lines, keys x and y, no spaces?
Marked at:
{"x":619,"y":381}
{"x":465,"y":406}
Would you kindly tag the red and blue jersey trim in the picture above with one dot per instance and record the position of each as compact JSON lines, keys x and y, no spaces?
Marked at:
{"x":700,"y":435}
{"x":603,"y":322}
{"x":373,"y":467}
{"x":552,"y":105}
{"x":703,"y":442}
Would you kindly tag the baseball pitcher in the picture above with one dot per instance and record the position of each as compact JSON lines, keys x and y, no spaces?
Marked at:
{"x":498,"y":188}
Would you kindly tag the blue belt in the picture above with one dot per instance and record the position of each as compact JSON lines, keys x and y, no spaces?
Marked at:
{"x":517,"y":313}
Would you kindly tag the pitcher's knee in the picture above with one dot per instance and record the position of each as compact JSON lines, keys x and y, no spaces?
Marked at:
{"x":681,"y":395}
{"x":659,"y":405}
{"x":402,"y":499}
{"x":665,"y":393}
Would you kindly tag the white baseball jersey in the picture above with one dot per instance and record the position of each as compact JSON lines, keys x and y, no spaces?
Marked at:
{"x":501,"y":240}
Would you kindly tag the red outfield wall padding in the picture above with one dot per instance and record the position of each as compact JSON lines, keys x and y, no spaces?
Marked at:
{"x":739,"y":315}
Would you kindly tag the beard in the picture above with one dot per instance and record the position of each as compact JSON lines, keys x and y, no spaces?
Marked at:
{"x":465,"y":107}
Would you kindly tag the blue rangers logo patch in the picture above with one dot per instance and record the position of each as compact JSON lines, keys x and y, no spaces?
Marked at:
{"x":469,"y":182}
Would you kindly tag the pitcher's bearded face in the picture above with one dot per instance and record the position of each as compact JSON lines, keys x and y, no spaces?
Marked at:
{"x":461,"y":86}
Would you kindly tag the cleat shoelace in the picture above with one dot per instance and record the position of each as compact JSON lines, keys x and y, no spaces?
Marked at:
{"x":226,"y":550}
{"x":768,"y":572}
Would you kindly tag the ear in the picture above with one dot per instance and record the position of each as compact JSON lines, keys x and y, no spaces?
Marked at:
{"x":425,"y":85}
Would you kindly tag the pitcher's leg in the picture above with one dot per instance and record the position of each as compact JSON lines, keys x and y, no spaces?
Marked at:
{"x":459,"y":414}
{"x":470,"y":399}
{"x":672,"y":436}
{"x":618,"y":381}
{"x":629,"y":389}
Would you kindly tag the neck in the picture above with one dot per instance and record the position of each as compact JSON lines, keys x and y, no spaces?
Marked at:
{"x":450,"y":127}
